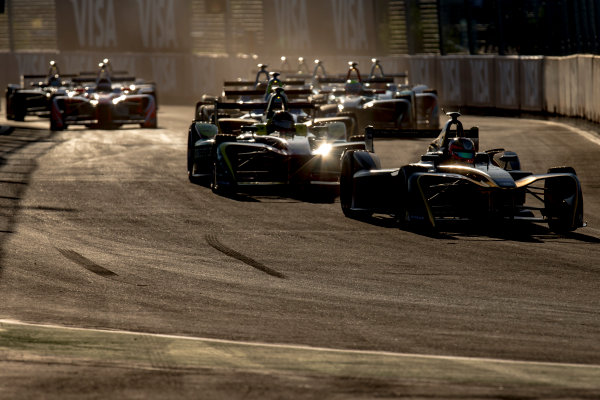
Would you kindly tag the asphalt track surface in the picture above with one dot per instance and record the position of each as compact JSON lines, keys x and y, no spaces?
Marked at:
{"x":121,"y":279}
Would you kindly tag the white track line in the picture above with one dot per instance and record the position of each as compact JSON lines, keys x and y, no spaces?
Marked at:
{"x":302,"y":347}
{"x":585,"y":134}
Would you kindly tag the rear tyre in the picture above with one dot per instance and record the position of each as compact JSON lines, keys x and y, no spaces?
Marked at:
{"x":347,"y":187}
{"x":19,"y":114}
{"x":57,"y":125}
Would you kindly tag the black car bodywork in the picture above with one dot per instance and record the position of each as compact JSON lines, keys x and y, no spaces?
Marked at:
{"x":236,"y":154}
{"x":435,"y":189}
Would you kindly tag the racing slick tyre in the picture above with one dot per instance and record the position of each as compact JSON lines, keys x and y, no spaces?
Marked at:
{"x":347,"y":187}
{"x":15,"y":110}
{"x":18,"y":109}
{"x":190,"y":158}
{"x":57,"y":125}
{"x":150,"y":125}
{"x":222,"y":190}
{"x":563,"y":206}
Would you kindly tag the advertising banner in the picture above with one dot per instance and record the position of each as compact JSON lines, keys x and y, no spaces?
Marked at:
{"x":320,"y":27}
{"x":123,"y":25}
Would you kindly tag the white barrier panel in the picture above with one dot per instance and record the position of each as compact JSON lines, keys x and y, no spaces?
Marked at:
{"x":550,"y":83}
{"x":562,"y":82}
{"x":570,"y":85}
{"x":531,"y":83}
{"x":584,"y":85}
{"x":481,"y":73}
{"x":452,"y":78}
{"x":593,"y":108}
{"x":508,"y":88}
{"x":423,"y":70}
{"x":397,"y":65}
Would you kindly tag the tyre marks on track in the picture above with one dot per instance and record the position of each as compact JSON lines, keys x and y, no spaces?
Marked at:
{"x":214,"y":242}
{"x":86,"y":263}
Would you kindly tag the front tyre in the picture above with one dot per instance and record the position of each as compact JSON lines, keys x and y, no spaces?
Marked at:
{"x":563,"y":202}
{"x":190,"y":158}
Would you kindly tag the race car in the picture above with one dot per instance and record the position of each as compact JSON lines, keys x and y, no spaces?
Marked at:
{"x":379,"y":101}
{"x":454,"y":181}
{"x":34,"y":96}
{"x":236,"y":154}
{"x":252,"y":91}
{"x":105,"y":102}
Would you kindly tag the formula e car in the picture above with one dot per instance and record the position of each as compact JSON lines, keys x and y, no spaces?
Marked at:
{"x":379,"y":101}
{"x":257,"y":90}
{"x":34,"y":96}
{"x":236,"y":154}
{"x":454,"y":181}
{"x":106,"y":102}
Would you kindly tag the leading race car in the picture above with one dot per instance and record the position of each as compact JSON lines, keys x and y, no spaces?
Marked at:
{"x":454,"y":181}
{"x":236,"y":154}
{"x":105,"y":102}
{"x":34,"y":96}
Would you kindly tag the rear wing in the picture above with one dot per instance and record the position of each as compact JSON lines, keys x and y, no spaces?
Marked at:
{"x":227,"y":105}
{"x":377,"y":79}
{"x":81,"y":79}
{"x":41,"y":76}
{"x":390,"y":133}
{"x":29,"y":77}
{"x":261,"y":92}
{"x":94,"y":73}
{"x":288,"y":82}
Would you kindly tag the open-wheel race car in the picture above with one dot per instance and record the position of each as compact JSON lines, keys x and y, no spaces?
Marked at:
{"x":454,"y":181}
{"x":257,"y":90}
{"x":33,"y":96}
{"x":105,"y":101}
{"x":378,"y":100}
{"x":272,"y":149}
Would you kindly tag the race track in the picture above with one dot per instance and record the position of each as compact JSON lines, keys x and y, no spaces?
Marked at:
{"x":103,"y":230}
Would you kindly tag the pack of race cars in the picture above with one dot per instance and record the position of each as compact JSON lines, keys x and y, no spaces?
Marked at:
{"x":303,"y":131}
{"x":104,"y":99}
{"x":257,"y":136}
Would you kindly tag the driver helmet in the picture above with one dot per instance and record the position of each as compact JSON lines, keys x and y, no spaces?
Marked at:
{"x":353,"y":87}
{"x":282,"y":121}
{"x":54,"y":80}
{"x":104,"y":85}
{"x":462,"y":150}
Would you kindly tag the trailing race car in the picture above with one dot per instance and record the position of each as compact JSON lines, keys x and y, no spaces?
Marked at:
{"x":236,"y":154}
{"x":379,"y":102}
{"x":35,"y":97}
{"x":105,"y":102}
{"x":454,"y":181}
{"x":252,"y":91}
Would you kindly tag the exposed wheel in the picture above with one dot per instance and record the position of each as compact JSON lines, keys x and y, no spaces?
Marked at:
{"x":214,"y":182}
{"x":57,"y":125}
{"x":190,"y":159}
{"x":347,"y":186}
{"x":19,"y":114}
{"x":563,"y":202}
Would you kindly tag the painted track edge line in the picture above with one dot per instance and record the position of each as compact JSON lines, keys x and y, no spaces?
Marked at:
{"x":302,"y":347}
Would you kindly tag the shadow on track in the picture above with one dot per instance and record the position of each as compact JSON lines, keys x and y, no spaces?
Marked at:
{"x":280,"y":194}
{"x":16,"y":168}
{"x":516,"y":231}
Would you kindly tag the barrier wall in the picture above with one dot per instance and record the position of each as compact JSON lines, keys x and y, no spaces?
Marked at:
{"x":567,"y":86}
